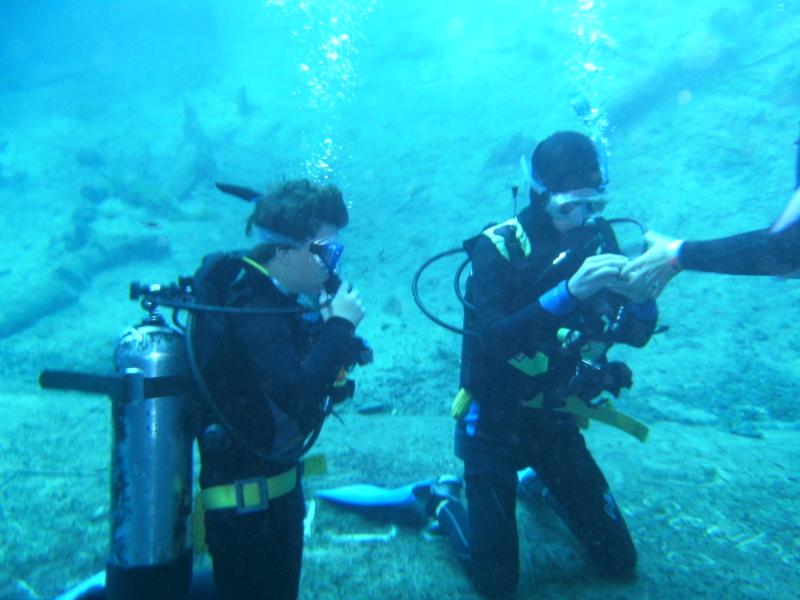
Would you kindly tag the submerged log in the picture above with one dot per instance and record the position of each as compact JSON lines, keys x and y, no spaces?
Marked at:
{"x":45,"y":296}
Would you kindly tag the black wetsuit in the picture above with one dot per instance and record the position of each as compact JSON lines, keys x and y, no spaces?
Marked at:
{"x":753,"y":253}
{"x":499,"y":436}
{"x":270,"y":376}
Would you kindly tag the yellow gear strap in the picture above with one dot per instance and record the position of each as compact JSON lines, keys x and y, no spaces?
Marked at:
{"x":315,"y":465}
{"x":500,"y":242}
{"x":199,"y":526}
{"x":604,"y":413}
{"x":225,"y":496}
{"x":460,"y":405}
{"x":256,"y":265}
{"x":582,"y":412}
{"x":531,"y":365}
{"x":341,"y":378}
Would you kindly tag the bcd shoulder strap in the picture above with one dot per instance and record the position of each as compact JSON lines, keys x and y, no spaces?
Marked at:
{"x":510,"y":239}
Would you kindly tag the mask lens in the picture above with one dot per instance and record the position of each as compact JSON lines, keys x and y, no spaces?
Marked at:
{"x":590,"y":199}
{"x":328,"y":253}
{"x":568,"y":207}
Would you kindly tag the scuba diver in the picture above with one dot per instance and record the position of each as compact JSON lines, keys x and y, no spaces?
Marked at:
{"x":545,"y":303}
{"x":769,"y":251}
{"x":252,"y":373}
{"x":271,"y":377}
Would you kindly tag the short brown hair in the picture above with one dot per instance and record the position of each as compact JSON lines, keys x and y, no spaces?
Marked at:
{"x":297,"y":209}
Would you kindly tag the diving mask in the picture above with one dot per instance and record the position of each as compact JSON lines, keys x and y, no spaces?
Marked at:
{"x":328,"y":253}
{"x":271,"y":236}
{"x":592,"y":200}
{"x":562,"y":203}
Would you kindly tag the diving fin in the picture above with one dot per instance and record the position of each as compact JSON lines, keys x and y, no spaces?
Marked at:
{"x":415,"y":503}
{"x":239,"y":191}
{"x":92,"y":587}
{"x":405,"y":504}
{"x":412,"y":504}
{"x":790,"y":214}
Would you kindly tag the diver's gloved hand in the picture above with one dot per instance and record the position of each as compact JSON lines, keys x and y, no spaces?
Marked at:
{"x":616,"y":375}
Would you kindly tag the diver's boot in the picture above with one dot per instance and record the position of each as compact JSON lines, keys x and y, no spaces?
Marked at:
{"x":446,"y":488}
{"x":530,"y":486}
{"x":451,"y":518}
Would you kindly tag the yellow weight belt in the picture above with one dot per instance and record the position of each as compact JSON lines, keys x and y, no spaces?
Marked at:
{"x":249,"y":495}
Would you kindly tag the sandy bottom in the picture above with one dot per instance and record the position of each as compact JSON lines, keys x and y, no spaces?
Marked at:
{"x":712,"y":513}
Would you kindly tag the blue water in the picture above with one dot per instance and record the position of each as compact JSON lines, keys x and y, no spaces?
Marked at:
{"x":117,"y":117}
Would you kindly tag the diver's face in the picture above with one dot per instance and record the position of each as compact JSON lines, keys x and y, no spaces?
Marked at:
{"x":571,"y":210}
{"x":307,"y":273}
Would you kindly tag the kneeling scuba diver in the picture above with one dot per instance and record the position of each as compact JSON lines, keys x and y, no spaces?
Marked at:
{"x":569,"y":372}
{"x":159,"y":398}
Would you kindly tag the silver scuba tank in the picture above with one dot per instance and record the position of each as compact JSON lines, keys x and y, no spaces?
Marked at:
{"x":151,"y":466}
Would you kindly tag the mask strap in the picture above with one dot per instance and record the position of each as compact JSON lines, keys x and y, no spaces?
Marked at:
{"x":270,"y":236}
{"x":533,"y":177}
{"x":530,"y":186}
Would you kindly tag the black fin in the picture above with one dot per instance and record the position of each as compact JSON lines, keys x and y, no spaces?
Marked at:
{"x":237,"y":190}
